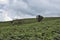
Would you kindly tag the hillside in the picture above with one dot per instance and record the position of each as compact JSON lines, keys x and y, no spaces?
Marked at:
{"x":30,"y":29}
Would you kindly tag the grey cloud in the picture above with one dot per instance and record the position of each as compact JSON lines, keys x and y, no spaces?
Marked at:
{"x":44,"y":6}
{"x":35,"y":7}
{"x":22,"y":8}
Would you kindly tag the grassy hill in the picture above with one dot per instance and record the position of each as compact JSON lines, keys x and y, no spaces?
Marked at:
{"x":30,"y":29}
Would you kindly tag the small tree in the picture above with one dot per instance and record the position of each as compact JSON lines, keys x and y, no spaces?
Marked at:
{"x":39,"y":18}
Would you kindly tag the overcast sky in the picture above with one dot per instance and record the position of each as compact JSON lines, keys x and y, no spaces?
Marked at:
{"x":13,"y":9}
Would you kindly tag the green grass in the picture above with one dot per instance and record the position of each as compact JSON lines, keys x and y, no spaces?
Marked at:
{"x":30,"y":29}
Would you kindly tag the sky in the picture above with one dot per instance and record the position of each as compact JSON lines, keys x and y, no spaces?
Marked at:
{"x":19,"y":9}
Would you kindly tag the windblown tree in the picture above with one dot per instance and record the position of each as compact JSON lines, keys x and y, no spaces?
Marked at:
{"x":39,"y":18}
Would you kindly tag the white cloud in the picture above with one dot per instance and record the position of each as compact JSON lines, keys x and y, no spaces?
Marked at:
{"x":6,"y":17}
{"x":29,"y":8}
{"x":4,"y":1}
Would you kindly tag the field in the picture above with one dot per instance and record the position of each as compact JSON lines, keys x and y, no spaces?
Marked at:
{"x":30,"y":29}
